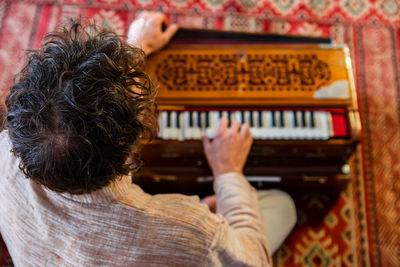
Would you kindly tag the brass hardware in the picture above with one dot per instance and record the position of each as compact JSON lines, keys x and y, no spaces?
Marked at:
{"x":319,"y":179}
{"x":166,"y":177}
{"x":346,"y":169}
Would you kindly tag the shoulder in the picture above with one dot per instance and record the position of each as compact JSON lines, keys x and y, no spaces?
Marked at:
{"x":4,"y":140}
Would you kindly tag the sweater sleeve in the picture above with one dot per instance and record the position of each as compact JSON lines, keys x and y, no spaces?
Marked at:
{"x":240,"y":239}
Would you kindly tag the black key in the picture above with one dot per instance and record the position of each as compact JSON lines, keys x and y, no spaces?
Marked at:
{"x":190,"y":119}
{"x":295,"y":122}
{"x":303,"y":119}
{"x":229,"y":119}
{"x":178,"y":123}
{"x":281,"y":120}
{"x":273,"y":119}
{"x":241,"y":117}
{"x":312,"y":119}
{"x":251,"y":119}
{"x":207,"y":120}
{"x":203,"y":123}
{"x":260,"y":119}
{"x":168,"y":119}
{"x":219,"y":114}
{"x":199,"y":119}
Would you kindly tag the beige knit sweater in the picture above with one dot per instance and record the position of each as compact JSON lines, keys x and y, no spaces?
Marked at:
{"x":120,"y":225}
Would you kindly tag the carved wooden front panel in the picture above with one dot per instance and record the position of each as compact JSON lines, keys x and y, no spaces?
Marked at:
{"x":251,"y":72}
{"x":233,"y":72}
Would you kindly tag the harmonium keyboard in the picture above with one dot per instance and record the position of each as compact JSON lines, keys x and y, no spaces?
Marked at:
{"x":296,"y":93}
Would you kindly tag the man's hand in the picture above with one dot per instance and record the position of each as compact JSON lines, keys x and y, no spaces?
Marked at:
{"x":146,"y":32}
{"x":229,"y":150}
{"x":211,"y":202}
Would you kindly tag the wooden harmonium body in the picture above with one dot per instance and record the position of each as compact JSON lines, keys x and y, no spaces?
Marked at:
{"x":296,"y":93}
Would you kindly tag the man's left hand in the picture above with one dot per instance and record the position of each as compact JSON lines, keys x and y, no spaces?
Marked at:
{"x":146,"y":32}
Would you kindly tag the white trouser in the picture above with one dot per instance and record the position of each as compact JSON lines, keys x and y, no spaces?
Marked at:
{"x":279,"y":214}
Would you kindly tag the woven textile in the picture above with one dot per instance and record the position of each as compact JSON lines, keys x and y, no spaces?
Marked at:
{"x":359,"y":226}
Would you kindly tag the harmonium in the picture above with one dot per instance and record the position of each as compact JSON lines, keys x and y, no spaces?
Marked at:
{"x":297,"y":94}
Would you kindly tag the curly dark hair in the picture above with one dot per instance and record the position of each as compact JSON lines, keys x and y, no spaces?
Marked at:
{"x":79,"y":108}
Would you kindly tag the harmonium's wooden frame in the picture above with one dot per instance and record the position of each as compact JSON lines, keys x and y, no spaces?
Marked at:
{"x":282,"y":72}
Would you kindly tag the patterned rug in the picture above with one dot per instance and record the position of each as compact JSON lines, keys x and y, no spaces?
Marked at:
{"x":359,"y":226}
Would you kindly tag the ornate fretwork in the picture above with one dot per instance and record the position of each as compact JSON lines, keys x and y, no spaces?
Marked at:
{"x":230,"y":72}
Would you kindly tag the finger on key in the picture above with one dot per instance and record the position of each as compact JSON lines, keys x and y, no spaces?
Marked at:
{"x":223,"y":124}
{"x":245,"y":130}
{"x":234,"y":127}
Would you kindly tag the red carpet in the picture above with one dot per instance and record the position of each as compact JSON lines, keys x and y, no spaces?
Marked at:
{"x":359,"y":227}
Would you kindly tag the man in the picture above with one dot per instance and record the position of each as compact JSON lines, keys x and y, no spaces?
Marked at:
{"x":76,"y":118}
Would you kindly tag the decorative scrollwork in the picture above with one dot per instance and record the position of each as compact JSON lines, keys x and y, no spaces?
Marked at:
{"x":229,"y":72}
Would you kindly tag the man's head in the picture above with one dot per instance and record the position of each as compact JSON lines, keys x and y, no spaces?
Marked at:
{"x":79,"y":108}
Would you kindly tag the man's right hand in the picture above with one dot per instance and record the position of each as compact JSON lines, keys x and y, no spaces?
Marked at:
{"x":229,"y":150}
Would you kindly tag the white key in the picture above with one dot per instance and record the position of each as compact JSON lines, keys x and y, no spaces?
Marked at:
{"x":297,"y":131}
{"x":171,"y":132}
{"x":276,"y":131}
{"x":182,"y":125}
{"x":194,"y":131}
{"x":182,"y":121}
{"x":322,"y":125}
{"x":202,"y":123}
{"x":256,"y":130}
{"x":266,"y":118}
{"x":287,"y":130}
{"x":273,"y":132}
{"x":318,"y":126}
{"x":238,"y":116}
{"x":213,"y":118}
{"x":185,"y":125}
{"x":189,"y":129}
{"x":256,"y":119}
{"x":162,"y":122}
{"x":166,"y":131}
{"x":225,"y":114}
{"x":308,"y":131}
{"x":246,"y":117}
{"x":330,"y":124}
{"x":232,"y":117}
{"x":300,"y":132}
{"x":277,"y":115}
